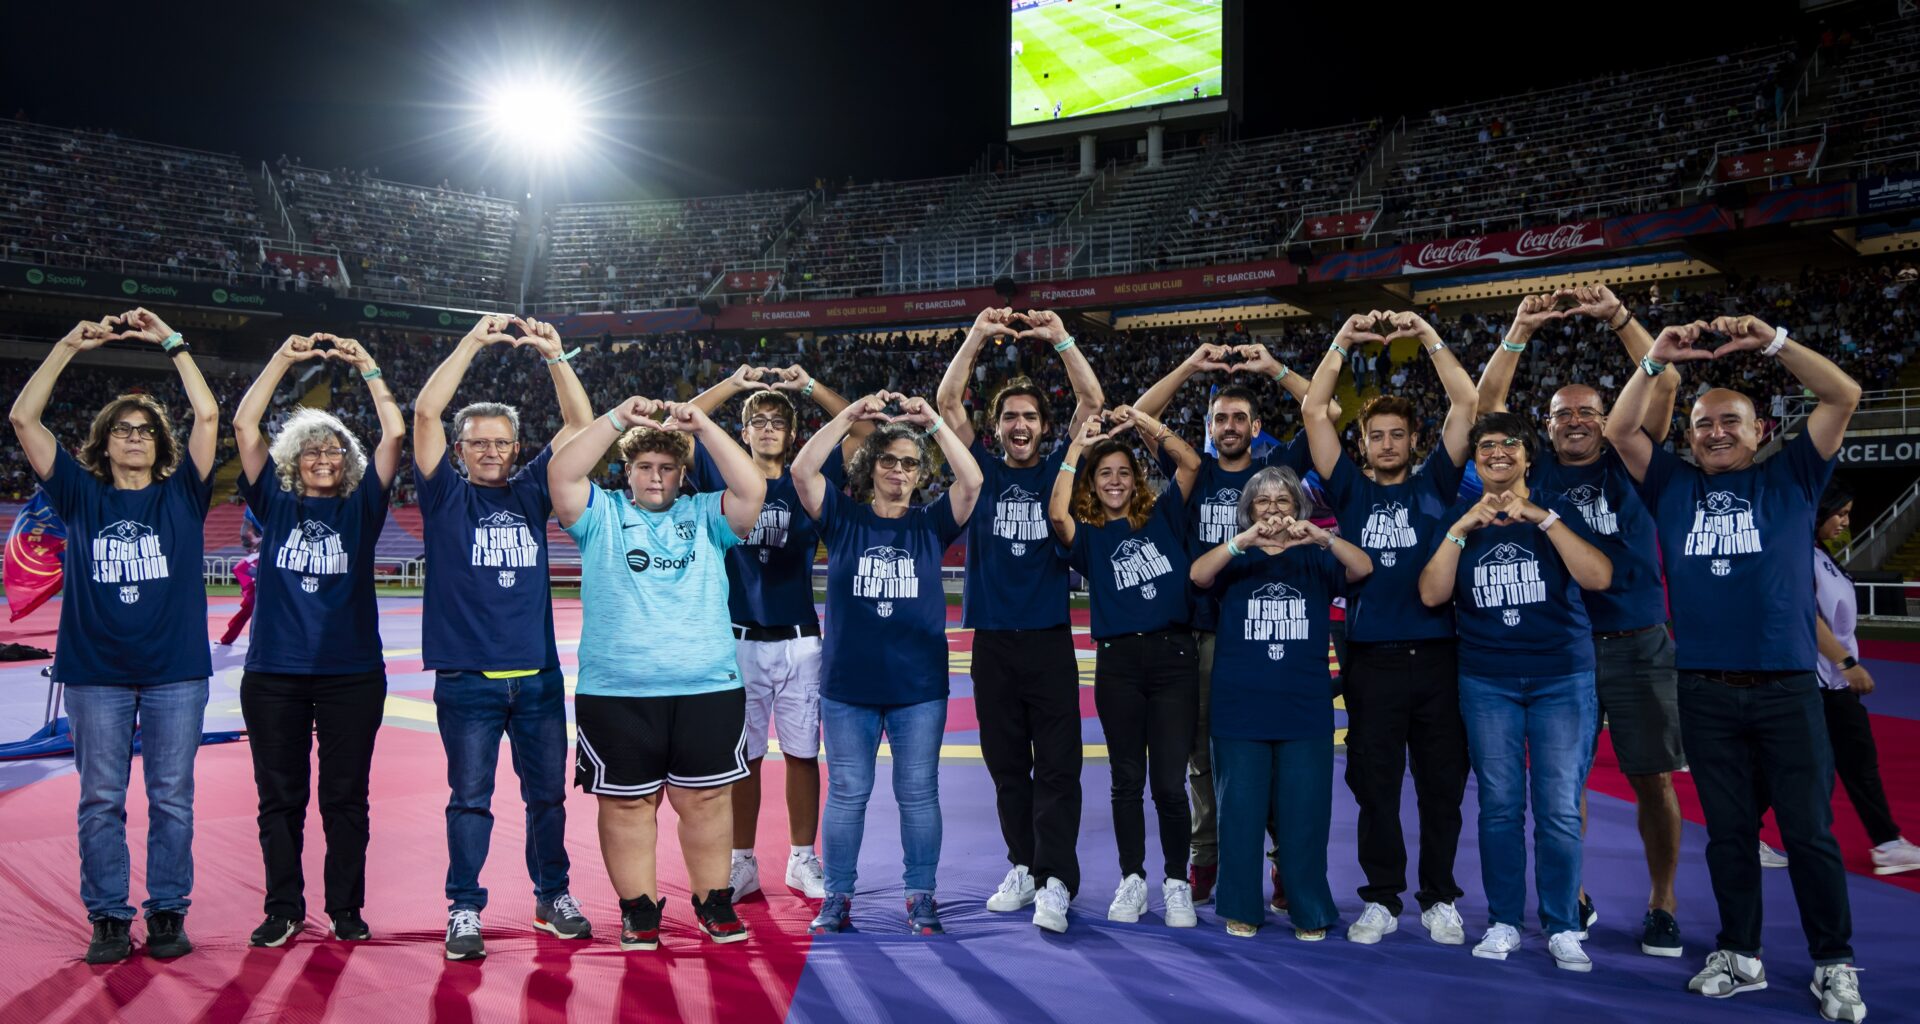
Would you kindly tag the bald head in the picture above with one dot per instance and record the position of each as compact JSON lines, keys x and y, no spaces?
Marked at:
{"x":1724,"y":431}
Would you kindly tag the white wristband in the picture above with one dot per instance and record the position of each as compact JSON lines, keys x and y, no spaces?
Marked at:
{"x":1552,"y":518}
{"x":1779,"y":342}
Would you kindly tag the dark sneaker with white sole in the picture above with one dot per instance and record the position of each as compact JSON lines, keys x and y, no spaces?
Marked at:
{"x":274,"y":932}
{"x":1660,"y":934}
{"x":112,"y":941}
{"x":639,"y":923}
{"x":561,"y":916}
{"x":348,"y":927}
{"x":463,"y":935}
{"x":716,"y":916}
{"x":167,"y":935}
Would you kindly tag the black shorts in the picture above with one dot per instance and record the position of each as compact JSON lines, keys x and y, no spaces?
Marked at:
{"x":631,"y":746}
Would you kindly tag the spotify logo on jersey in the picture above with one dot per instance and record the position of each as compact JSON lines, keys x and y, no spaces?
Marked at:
{"x":638,"y":560}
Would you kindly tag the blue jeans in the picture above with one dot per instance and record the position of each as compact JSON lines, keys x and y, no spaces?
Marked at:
{"x":1530,"y":732}
{"x":532,"y":712}
{"x":169,"y":718}
{"x":1291,"y":783}
{"x":853,"y":744}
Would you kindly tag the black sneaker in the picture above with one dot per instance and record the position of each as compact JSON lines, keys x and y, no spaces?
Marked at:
{"x":561,"y":916}
{"x":716,"y":916}
{"x":1659,"y":934}
{"x":167,"y":935}
{"x":639,"y":923}
{"x":1588,"y":916}
{"x":463,"y":935}
{"x":274,"y":931}
{"x":347,"y":927}
{"x":112,"y":941}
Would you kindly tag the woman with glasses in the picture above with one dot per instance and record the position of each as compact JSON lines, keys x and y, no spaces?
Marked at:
{"x":315,"y":663}
{"x":1272,"y":708}
{"x":132,"y":648}
{"x":886,"y":641}
{"x":1514,"y":569}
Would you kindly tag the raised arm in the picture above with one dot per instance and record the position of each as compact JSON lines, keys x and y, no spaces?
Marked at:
{"x":1599,"y":302}
{"x":1535,"y":311}
{"x":1838,"y":394}
{"x":576,"y":409}
{"x":746,"y":485}
{"x":1263,"y":363}
{"x":36,"y":440}
{"x":393,"y":423}
{"x":967,"y":477}
{"x":567,"y":481}
{"x":743,"y":379}
{"x":1087,"y":396}
{"x":1156,"y":398}
{"x":1316,"y":408}
{"x":430,"y":405}
{"x":952,"y":395}
{"x":810,"y":486}
{"x":1623,"y":431}
{"x":1186,"y":461}
{"x":1060,"y":500}
{"x":1463,"y":399}
{"x":298,"y":348}
{"x":203,"y":440}
{"x":795,"y":378}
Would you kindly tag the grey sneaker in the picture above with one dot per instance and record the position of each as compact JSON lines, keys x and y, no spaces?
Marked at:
{"x":1838,"y":989}
{"x":463,"y":935}
{"x":1728,"y":974}
{"x":561,"y":916}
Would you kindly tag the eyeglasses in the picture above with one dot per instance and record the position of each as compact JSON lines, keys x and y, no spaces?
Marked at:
{"x":764,"y":422}
{"x":1569,"y":415}
{"x":896,"y":462}
{"x":1271,"y":502}
{"x":316,"y":454}
{"x":126,"y":430}
{"x":1490,"y":446}
{"x":490,"y":444}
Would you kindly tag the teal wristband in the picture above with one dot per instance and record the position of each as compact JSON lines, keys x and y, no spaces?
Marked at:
{"x":172,"y":341}
{"x":1335,"y":347}
{"x":1462,"y":541}
{"x":565,"y":358}
{"x":1282,"y":375}
{"x":937,"y":424}
{"x":1066,"y":467}
{"x":1065,"y":345}
{"x":1511,"y":347}
{"x":373,"y":374}
{"x":1231,"y":550}
{"x":613,"y":417}
{"x":1652,"y":367}
{"x":807,"y":392}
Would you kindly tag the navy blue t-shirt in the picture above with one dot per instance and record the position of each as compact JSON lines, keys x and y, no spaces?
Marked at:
{"x":1397,"y":526}
{"x":314,"y":608}
{"x":1609,"y":503}
{"x":1518,"y":609}
{"x":1271,"y":679}
{"x":134,"y":605}
{"x":886,"y":635}
{"x":770,"y":574}
{"x":487,"y":581}
{"x":1016,"y":578}
{"x":1137,"y":578}
{"x":1213,"y":511}
{"x":1736,"y":550}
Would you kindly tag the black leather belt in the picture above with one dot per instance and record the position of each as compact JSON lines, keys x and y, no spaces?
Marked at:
{"x":774,"y":634}
{"x":1741,"y":680}
{"x":1622,"y":634}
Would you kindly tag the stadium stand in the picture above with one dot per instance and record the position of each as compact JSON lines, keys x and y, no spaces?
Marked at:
{"x":656,"y":253}
{"x":1873,"y":107}
{"x":1253,"y":196}
{"x":841,"y":251}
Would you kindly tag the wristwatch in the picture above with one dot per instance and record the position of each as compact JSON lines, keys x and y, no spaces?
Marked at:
{"x":1849,"y":663}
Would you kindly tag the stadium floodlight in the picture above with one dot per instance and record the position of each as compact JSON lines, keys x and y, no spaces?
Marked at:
{"x":542,"y":111}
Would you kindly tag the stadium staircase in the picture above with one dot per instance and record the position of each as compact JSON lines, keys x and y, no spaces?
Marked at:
{"x":270,"y":205}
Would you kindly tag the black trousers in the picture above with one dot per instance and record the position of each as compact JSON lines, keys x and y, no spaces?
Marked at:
{"x":1026,"y":693}
{"x":1857,"y":761}
{"x":1146,"y":689}
{"x":283,"y":712}
{"x":1403,"y":707}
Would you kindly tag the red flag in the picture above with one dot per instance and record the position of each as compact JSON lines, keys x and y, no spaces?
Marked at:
{"x":34,"y":546}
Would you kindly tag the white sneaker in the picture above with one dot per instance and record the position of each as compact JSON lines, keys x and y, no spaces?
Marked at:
{"x":805,"y":874}
{"x":1129,"y":901}
{"x":1179,"y":899}
{"x":1838,"y":989}
{"x":1500,"y":940}
{"x":1050,"y":905}
{"x":1567,"y":954}
{"x":1375,"y":923}
{"x":1444,"y":925}
{"x":744,"y":876}
{"x":1728,"y":974}
{"x":1895,"y":857}
{"x":1770,"y":857}
{"x":1016,"y":891}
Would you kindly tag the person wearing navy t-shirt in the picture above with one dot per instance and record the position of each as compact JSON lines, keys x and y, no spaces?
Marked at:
{"x":1026,"y":679}
{"x":1733,"y":532}
{"x":315,"y":665}
{"x":884,"y":658}
{"x":132,"y":646}
{"x":770,"y":597}
{"x":1233,"y":422}
{"x":486,"y":540}
{"x":1633,"y":651}
{"x":1131,"y":548}
{"x":1273,"y":700}
{"x":1526,"y":681}
{"x":1401,"y":682}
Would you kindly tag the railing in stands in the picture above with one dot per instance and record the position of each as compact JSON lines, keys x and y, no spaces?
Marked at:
{"x":81,"y":261}
{"x":1867,"y":546}
{"x":1889,"y":409}
{"x":279,"y":203}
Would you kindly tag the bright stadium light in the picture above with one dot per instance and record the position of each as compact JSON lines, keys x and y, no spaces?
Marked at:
{"x":535,"y":111}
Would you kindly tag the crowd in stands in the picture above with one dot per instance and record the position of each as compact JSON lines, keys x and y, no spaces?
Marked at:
{"x":655,"y":254}
{"x":1873,"y":110}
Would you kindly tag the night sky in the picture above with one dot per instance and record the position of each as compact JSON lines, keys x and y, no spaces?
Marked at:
{"x":707,"y":96}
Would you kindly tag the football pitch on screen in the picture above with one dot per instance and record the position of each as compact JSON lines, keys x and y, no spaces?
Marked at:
{"x":1099,"y":56}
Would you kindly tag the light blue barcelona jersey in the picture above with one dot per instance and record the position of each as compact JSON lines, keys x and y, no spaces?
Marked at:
{"x":653,"y":592}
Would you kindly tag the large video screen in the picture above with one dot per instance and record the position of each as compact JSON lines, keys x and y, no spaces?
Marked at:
{"x":1074,"y":58}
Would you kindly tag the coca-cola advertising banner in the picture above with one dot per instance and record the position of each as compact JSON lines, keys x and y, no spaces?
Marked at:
{"x":1764,"y":163}
{"x":1505,"y":247}
{"x":1322,"y":226}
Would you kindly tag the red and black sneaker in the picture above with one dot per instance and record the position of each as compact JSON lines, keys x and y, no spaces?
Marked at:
{"x":1200,"y":878}
{"x":716,"y":916}
{"x":639,"y":923}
